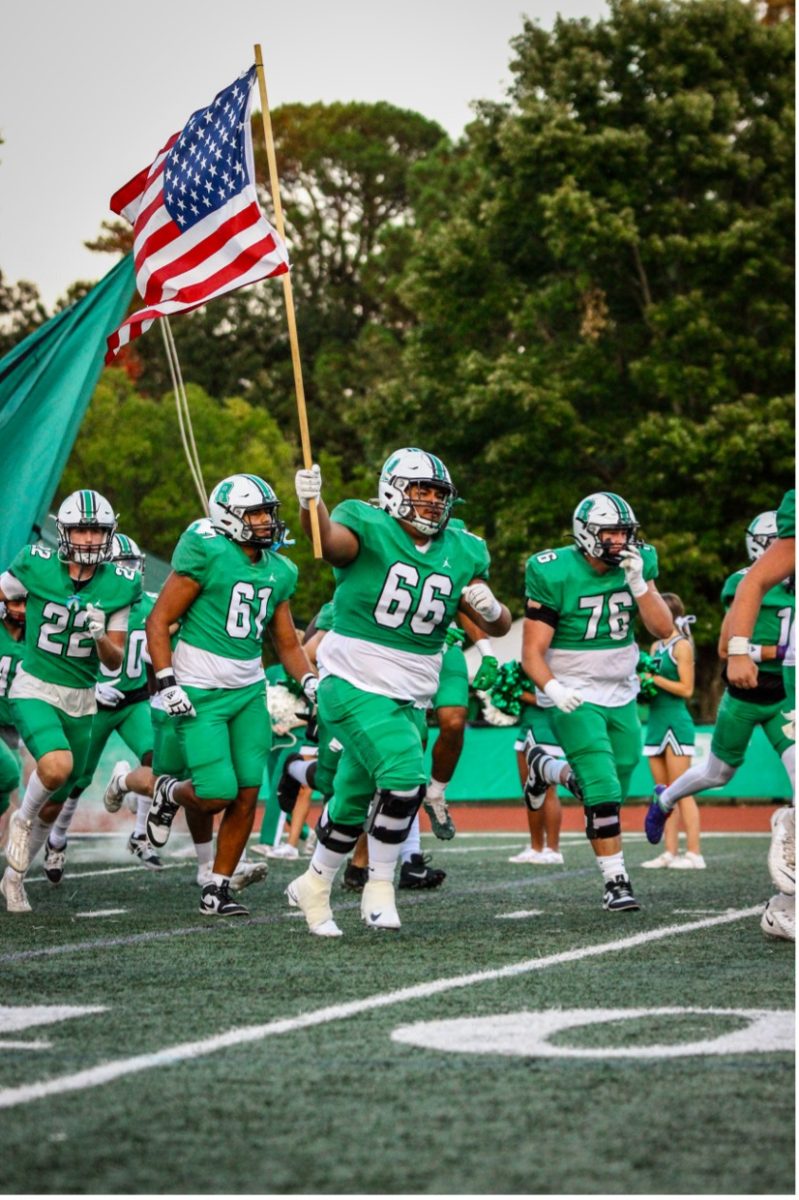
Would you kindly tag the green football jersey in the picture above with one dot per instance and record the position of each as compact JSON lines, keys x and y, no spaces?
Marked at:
{"x":133,"y":675}
{"x":397,"y":593}
{"x":774,"y":620}
{"x":10,"y":656}
{"x":786,"y":515}
{"x":324,"y":618}
{"x":594,"y":610}
{"x":58,"y":647}
{"x":239,"y":595}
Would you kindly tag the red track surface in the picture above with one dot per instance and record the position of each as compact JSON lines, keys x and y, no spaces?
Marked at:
{"x":506,"y":818}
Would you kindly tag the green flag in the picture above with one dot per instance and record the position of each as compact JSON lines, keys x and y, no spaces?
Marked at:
{"x":46,"y":383}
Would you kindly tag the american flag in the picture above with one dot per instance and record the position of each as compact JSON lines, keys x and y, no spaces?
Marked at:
{"x":198,"y":230}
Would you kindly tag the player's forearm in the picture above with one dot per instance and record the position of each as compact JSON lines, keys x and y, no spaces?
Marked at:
{"x":535,"y":667}
{"x":158,"y":642}
{"x":110,"y":651}
{"x":295,"y":661}
{"x":497,"y":628}
{"x":655,"y":614}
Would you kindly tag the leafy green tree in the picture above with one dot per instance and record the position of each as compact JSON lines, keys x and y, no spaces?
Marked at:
{"x":129,"y":449}
{"x":605,"y":298}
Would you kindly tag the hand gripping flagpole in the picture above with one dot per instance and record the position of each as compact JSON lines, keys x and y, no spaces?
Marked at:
{"x":305,"y":437}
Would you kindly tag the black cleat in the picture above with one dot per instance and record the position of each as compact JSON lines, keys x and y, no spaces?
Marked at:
{"x":162,"y":813}
{"x":415,"y":873}
{"x":619,"y":896}
{"x":216,"y":901}
{"x":54,"y":862}
{"x":354,"y":878}
{"x":288,"y":788}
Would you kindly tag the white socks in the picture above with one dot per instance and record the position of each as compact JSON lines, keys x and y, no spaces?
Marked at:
{"x":60,"y":827}
{"x":382,"y":859}
{"x":35,"y":798}
{"x":326,"y":862}
{"x":413,"y":842}
{"x":612,"y":866}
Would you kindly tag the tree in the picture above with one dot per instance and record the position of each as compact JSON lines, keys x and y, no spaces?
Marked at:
{"x":129,"y":449}
{"x":605,"y":300}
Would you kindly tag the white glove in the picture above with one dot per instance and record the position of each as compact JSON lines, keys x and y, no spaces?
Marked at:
{"x":108,"y":695}
{"x":633,"y":566}
{"x":480,"y":597}
{"x":308,"y":484}
{"x":310,"y":684}
{"x":176,"y":702}
{"x":564,"y":698}
{"x":95,"y":621}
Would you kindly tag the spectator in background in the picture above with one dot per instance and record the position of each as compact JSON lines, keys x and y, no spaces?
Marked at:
{"x":670,"y":735}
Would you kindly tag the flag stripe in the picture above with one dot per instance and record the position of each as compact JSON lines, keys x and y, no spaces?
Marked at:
{"x":219,"y":237}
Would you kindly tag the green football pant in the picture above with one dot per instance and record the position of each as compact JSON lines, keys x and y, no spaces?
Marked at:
{"x":453,"y":681}
{"x":382,"y":740}
{"x":44,"y":728}
{"x":168,"y":757}
{"x":736,"y":722}
{"x":226,"y":743}
{"x":133,"y":725}
{"x":789,"y":707}
{"x":602,"y":746}
{"x":9,"y":774}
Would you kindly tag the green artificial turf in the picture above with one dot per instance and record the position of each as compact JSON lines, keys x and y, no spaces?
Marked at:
{"x":338,"y":1106}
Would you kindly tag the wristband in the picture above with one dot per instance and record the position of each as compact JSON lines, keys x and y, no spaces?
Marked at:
{"x":165,"y":678}
{"x":738,"y":646}
{"x":781,"y":652}
{"x":485,"y":647}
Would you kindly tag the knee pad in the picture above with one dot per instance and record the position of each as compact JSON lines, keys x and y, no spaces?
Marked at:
{"x":391,"y":815}
{"x":335,"y":835}
{"x":602,"y":821}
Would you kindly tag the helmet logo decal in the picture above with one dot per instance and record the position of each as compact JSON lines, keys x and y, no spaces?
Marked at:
{"x":223,"y":492}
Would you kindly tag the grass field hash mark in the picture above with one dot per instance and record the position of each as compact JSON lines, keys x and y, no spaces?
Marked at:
{"x":107,"y":1072}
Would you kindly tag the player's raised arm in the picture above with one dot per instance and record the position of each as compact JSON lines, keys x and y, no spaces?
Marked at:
{"x":339,"y":544}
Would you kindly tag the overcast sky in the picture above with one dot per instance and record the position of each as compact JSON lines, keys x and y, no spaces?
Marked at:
{"x":90,"y":89}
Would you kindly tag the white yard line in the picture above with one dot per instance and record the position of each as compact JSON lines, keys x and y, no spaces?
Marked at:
{"x":183,"y":1051}
{"x":109,"y":871}
{"x":103,"y":912}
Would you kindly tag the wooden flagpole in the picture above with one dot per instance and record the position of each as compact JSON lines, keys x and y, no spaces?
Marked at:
{"x":305,"y":437}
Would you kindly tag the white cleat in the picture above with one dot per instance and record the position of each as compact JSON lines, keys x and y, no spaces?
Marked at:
{"x":18,"y":846}
{"x":779,"y":918}
{"x":115,"y":793}
{"x":286,"y":850}
{"x":12,"y":886}
{"x":686,"y":862}
{"x":782,"y":851}
{"x":663,"y":860}
{"x":311,"y":893}
{"x":378,"y":906}
{"x":536,"y":857}
{"x":247,"y":873}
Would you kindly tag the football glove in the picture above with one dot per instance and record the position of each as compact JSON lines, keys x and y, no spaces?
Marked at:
{"x":176,"y":702}
{"x":95,"y":621}
{"x":480,"y":597}
{"x":308,"y":485}
{"x":309,"y":684}
{"x":107,"y":695}
{"x":633,"y":566}
{"x":565,"y":698}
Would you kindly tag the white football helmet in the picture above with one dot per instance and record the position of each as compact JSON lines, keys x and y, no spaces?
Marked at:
{"x":237,"y":495}
{"x":760,"y":534}
{"x":602,"y":511}
{"x":124,"y":550}
{"x":408,"y":466}
{"x":85,"y":509}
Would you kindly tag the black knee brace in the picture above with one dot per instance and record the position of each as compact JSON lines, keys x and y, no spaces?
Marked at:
{"x":335,"y":836}
{"x":602,"y":820}
{"x":391,"y":814}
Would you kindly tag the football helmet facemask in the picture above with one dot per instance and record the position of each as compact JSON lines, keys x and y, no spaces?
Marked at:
{"x":603,"y":512}
{"x":125,"y":551}
{"x":411,"y":466}
{"x":760,"y":533}
{"x":238,"y":496}
{"x":85,"y":510}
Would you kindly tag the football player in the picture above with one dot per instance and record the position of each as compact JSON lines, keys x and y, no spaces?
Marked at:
{"x":12,"y":630}
{"x":228,"y":588}
{"x":579,"y":649}
{"x":122,"y":706}
{"x":401,"y":576}
{"x":78,"y":606}
{"x":757,"y":638}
